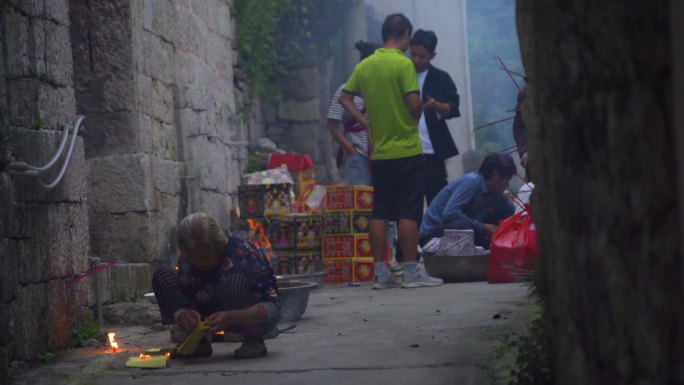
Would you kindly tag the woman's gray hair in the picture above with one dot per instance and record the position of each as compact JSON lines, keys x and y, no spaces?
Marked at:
{"x":197,"y":228}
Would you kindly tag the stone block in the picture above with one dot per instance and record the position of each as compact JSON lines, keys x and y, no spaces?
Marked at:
{"x":113,"y":133}
{"x":18,"y":41}
{"x":157,"y":57}
{"x":58,"y":61}
{"x":155,"y":98}
{"x":37,"y":148}
{"x":9,"y":279}
{"x":130,"y":280}
{"x":160,"y":18}
{"x":23,"y":111}
{"x":165,"y":176}
{"x":105,"y":91}
{"x":301,"y":84}
{"x":190,"y":30}
{"x":134,"y":236}
{"x":57,"y":11}
{"x":52,"y":241}
{"x":120,"y":184}
{"x":80,"y":44}
{"x":32,"y":7}
{"x":29,"y":321}
{"x":221,"y":21}
{"x":132,"y":313}
{"x":296,"y":111}
{"x":111,"y":36}
{"x":57,"y":105}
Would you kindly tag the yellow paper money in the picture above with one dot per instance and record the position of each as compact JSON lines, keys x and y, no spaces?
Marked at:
{"x":190,"y":344}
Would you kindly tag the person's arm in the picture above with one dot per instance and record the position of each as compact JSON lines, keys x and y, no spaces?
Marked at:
{"x":347,"y":101}
{"x":414,"y":104}
{"x":252,"y":315}
{"x":457,"y":203}
{"x":334,"y":128}
{"x":447,"y":108}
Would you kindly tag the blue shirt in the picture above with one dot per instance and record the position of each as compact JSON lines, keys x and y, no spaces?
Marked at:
{"x":466,"y":200}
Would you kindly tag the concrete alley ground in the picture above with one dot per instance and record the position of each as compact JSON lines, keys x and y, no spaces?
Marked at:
{"x":348,"y":335}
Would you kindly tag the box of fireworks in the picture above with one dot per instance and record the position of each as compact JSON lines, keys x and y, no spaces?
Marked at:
{"x":346,"y":222}
{"x":271,"y":176}
{"x":311,"y":201}
{"x":346,"y":246}
{"x":303,"y":188}
{"x":251,"y":201}
{"x":277,"y":198}
{"x":343,"y":270}
{"x":341,"y":198}
{"x":301,"y":167}
{"x":304,"y":261}
{"x":260,"y":200}
{"x":296,"y":231}
{"x":284,"y":264}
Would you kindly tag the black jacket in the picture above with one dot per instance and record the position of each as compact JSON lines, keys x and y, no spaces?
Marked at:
{"x":439,"y":86}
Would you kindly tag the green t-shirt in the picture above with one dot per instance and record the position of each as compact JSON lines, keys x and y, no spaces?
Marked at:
{"x":383,"y":80}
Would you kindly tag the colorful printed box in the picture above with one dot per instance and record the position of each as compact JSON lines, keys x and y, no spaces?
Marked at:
{"x":296,"y":231}
{"x":342,"y":198}
{"x":343,"y":270}
{"x":303,"y":261}
{"x":346,"y":222}
{"x":346,"y":246}
{"x":284,"y":264}
{"x":261,"y":200}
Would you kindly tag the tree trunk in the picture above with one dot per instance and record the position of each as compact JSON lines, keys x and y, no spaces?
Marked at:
{"x":603,"y":152}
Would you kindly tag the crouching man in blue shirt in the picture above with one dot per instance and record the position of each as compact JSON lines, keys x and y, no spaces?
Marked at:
{"x":474,"y":201}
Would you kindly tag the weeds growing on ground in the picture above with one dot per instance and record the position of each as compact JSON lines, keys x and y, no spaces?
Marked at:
{"x":88,"y":330}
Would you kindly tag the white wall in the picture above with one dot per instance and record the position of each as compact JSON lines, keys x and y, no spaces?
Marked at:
{"x":448,"y":19}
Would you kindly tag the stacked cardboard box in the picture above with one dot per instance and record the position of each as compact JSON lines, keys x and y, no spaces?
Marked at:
{"x":296,"y":238}
{"x":346,"y":246}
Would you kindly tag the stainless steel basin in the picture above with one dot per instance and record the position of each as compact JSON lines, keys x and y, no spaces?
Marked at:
{"x":457,"y":268}
{"x":294,"y":298}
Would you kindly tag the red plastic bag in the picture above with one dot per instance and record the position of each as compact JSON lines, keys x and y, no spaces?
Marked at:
{"x":514,"y":250}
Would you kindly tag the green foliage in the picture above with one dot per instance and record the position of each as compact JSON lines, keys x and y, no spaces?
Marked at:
{"x":254,"y":163}
{"x":492,"y":33}
{"x":534,"y":362}
{"x":39,"y":124}
{"x":273,"y":33}
{"x":87,"y":330}
{"x":46,"y":356}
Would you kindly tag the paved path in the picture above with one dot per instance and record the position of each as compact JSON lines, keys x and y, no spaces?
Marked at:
{"x":349,"y":335}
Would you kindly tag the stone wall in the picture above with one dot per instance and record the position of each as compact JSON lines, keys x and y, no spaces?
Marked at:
{"x":297,"y":123}
{"x":602,"y":143}
{"x":43,"y":234}
{"x":155,"y":79}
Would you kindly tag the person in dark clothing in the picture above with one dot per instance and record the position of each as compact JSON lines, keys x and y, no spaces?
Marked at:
{"x":475,"y":201}
{"x":440,"y":102}
{"x":225,"y":281}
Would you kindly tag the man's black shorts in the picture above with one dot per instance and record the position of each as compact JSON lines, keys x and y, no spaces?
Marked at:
{"x":398,"y":188}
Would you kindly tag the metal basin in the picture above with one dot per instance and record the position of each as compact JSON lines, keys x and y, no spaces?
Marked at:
{"x":317,"y":278}
{"x":294,"y":298}
{"x":457,"y":268}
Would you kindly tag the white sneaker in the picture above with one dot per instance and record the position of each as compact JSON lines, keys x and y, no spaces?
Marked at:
{"x":386,"y":280}
{"x":420,"y":278}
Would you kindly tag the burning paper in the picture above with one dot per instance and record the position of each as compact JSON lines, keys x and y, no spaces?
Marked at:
{"x":112,"y":341}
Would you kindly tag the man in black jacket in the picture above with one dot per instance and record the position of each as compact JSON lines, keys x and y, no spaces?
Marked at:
{"x":440,"y":102}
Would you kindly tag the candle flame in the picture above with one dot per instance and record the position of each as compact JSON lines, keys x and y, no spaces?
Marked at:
{"x":112,"y":341}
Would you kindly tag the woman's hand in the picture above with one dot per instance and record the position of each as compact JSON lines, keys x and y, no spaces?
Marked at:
{"x":188,"y":320}
{"x":218,"y":321}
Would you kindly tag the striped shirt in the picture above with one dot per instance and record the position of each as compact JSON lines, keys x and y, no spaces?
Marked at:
{"x":336,"y":112}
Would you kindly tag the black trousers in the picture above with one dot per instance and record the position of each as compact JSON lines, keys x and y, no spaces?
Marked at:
{"x":436,"y":176}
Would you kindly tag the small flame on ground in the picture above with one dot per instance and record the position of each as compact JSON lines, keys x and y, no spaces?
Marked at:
{"x":112,"y":341}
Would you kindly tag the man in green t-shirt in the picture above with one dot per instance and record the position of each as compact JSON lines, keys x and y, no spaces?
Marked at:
{"x":387,"y":82}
